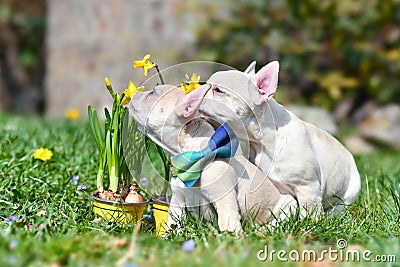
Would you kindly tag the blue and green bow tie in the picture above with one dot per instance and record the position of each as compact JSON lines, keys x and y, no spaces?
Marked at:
{"x":188,"y":165}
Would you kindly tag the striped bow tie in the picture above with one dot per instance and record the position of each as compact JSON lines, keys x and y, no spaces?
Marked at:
{"x":188,"y":165}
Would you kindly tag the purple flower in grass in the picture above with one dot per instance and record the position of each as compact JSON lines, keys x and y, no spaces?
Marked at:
{"x":11,"y":219}
{"x":188,"y":245}
{"x":224,"y":255}
{"x":74,"y":179}
{"x":143,"y":181}
{"x":245,"y":254}
{"x":13,"y":244}
{"x":12,"y":260}
{"x":82,"y":187}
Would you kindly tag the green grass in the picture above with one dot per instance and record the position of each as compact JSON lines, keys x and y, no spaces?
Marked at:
{"x":55,"y":225}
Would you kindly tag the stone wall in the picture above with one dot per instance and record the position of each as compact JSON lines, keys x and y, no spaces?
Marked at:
{"x":88,"y":40}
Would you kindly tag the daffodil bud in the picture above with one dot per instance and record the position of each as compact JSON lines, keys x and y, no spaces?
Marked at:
{"x":107,"y":81}
{"x":109,"y":87}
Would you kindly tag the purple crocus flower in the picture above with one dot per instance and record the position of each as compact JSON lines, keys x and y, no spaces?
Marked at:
{"x":12,"y":260}
{"x":245,"y":254}
{"x":224,"y":256}
{"x":82,"y":187}
{"x":11,"y":219}
{"x":13,"y":244}
{"x":74,"y":179}
{"x":188,"y":245}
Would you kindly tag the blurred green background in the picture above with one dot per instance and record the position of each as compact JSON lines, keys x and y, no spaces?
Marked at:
{"x":328,"y":50}
{"x":22,"y":55}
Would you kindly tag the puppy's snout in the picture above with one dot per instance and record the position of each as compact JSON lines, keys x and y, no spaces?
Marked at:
{"x":208,"y":86}
{"x":138,"y":100}
{"x":145,"y":95}
{"x":207,"y":89}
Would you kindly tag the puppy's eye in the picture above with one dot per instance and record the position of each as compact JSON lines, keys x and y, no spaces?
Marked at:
{"x":217,"y":90}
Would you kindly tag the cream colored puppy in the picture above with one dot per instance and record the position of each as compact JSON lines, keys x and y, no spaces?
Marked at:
{"x":284,"y":147}
{"x":224,"y":187}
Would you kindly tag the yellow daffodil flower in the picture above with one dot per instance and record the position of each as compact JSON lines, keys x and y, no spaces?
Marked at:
{"x":130,"y":92}
{"x":43,"y":154}
{"x":145,"y":63}
{"x":189,"y":86}
{"x":72,"y":114}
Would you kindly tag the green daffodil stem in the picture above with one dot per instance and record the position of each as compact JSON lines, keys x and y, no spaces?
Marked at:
{"x":100,"y":176}
{"x":165,"y":188}
{"x":114,"y":174}
{"x":159,"y":74}
{"x":100,"y":172}
{"x":167,"y":176}
{"x":113,"y":179}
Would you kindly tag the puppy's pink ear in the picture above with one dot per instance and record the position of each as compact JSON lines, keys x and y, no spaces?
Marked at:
{"x":190,"y":104}
{"x":266,"y":81}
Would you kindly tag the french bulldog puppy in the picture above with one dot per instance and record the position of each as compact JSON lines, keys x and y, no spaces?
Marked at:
{"x":223,"y":188}
{"x":284,"y":147}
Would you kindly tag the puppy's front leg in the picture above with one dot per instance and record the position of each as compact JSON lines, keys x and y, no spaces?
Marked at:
{"x":228,"y":213}
{"x":310,"y":200}
{"x":221,"y":191}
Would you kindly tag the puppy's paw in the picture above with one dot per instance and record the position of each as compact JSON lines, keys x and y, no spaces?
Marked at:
{"x":238,"y":231}
{"x":232,"y":226}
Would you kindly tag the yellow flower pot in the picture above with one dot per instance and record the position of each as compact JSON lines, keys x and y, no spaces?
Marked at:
{"x":121,"y":213}
{"x":160,"y":209}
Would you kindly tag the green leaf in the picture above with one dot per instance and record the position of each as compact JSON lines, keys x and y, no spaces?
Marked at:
{"x":95,"y":127}
{"x":109,"y":150}
{"x":108,"y":117}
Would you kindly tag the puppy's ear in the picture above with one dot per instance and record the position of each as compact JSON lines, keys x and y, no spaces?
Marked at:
{"x":265,"y":83}
{"x":251,"y":69}
{"x":190,"y":104}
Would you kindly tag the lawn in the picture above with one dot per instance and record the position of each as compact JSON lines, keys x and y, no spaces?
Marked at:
{"x":46,"y":221}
